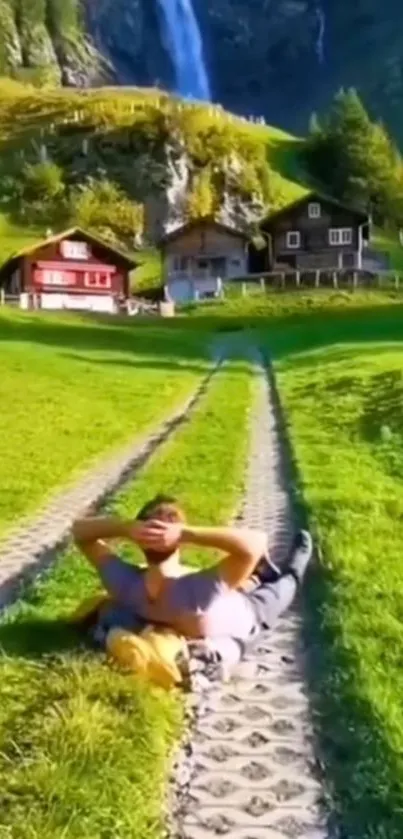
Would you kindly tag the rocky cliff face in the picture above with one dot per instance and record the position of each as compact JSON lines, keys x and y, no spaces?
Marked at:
{"x":44,"y":42}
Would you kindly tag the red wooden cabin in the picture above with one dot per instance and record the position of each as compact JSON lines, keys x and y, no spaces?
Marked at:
{"x":72,"y":270}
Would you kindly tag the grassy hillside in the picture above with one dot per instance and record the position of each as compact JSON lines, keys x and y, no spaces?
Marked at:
{"x":94,"y":158}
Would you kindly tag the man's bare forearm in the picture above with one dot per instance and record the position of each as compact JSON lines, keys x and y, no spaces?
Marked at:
{"x":231,"y":540}
{"x":108,"y":527}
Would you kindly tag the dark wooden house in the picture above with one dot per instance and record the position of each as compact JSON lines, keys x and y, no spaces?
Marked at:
{"x":313,"y":233}
{"x":71,"y":270}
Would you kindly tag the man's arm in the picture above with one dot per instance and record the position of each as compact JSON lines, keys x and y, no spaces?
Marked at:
{"x":90,"y":536}
{"x":244,"y":549}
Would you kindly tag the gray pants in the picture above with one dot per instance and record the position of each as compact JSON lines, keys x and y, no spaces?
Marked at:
{"x":271,"y":600}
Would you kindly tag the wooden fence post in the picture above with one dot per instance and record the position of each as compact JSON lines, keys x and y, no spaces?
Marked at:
{"x":263,"y":284}
{"x":317,"y":279}
{"x":243,"y":290}
{"x":297,"y":279}
{"x":2,"y":297}
{"x":355,"y":279}
{"x":335,"y":279}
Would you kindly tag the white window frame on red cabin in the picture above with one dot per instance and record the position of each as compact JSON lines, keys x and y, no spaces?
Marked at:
{"x":55,"y":278}
{"x":71,"y":249}
{"x":98,"y":280}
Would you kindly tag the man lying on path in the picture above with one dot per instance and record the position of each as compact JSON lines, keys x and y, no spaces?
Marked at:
{"x":197,"y":604}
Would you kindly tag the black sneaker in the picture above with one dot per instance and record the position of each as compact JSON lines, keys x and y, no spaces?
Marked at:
{"x":301,"y":555}
{"x":266,"y":571}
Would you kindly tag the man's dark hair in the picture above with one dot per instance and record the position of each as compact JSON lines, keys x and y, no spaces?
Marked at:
{"x":164,"y":507}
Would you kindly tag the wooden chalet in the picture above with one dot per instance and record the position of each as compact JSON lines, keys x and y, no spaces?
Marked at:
{"x":313,"y":233}
{"x":71,"y":270}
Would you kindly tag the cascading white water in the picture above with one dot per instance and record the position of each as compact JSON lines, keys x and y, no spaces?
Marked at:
{"x":184,"y":41}
{"x":320,"y":40}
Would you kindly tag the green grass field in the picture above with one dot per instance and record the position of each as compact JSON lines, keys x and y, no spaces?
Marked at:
{"x":72,"y":389}
{"x":344,"y":408}
{"x":341,"y":384}
{"x":84,"y":751}
{"x":339,"y":361}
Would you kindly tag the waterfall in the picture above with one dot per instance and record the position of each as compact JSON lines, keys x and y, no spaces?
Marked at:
{"x":184,"y":41}
{"x":320,"y":40}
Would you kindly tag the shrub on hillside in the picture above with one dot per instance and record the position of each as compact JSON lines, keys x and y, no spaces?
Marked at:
{"x":202,"y":200}
{"x":100,"y":205}
{"x":40,"y":194}
{"x":42,"y":182}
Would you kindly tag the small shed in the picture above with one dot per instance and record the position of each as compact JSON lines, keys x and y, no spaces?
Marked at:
{"x":71,"y":270}
{"x":199,"y":256}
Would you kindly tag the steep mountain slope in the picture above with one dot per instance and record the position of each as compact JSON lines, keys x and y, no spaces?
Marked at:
{"x":280,"y":58}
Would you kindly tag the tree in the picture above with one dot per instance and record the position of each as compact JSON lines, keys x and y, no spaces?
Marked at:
{"x":356,"y":159}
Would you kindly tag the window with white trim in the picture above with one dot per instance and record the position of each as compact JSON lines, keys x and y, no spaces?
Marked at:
{"x":74,"y":250}
{"x":97,"y":280}
{"x":314,"y":210}
{"x":293,"y":239}
{"x":340,"y":236}
{"x":57,"y":278}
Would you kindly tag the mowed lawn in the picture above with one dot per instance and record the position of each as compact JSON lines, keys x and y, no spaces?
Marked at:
{"x":341,"y":385}
{"x":73,"y":389}
{"x":84,"y":750}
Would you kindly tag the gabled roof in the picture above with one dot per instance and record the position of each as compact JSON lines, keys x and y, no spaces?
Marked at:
{"x":314,"y":196}
{"x":64,"y":234}
{"x":203,"y":222}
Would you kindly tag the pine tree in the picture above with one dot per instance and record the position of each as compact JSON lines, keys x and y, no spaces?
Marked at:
{"x":356,"y":159}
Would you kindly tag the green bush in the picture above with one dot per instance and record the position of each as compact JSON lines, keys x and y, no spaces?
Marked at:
{"x":102,"y":207}
{"x":42,"y":182}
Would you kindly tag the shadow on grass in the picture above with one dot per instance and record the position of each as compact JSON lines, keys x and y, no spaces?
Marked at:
{"x":361,"y":771}
{"x":136,"y":363}
{"x":384,"y":405}
{"x":287,"y":157}
{"x":37,"y":638}
{"x":287,"y":329}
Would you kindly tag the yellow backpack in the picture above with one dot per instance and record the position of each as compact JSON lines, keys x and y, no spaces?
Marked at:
{"x":157,"y":655}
